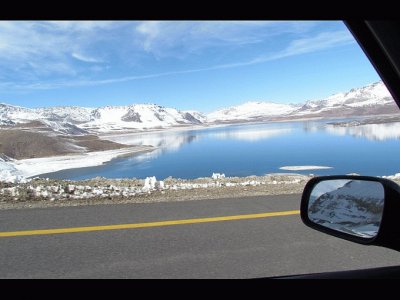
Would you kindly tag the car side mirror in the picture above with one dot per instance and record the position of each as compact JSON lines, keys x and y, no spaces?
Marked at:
{"x":361,"y":209}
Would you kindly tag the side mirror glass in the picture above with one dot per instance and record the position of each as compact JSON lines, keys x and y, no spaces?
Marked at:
{"x":350,"y":206}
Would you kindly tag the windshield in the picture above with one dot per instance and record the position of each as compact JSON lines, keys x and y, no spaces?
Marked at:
{"x":180,"y":149}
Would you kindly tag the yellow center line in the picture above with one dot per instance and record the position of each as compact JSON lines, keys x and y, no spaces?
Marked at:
{"x":146,"y":225}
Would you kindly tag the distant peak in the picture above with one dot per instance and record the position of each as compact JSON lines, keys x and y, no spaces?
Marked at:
{"x":2,"y":104}
{"x":370,"y":85}
{"x":145,"y":104}
{"x":254,"y":102}
{"x":377,"y":83}
{"x":5,"y":104}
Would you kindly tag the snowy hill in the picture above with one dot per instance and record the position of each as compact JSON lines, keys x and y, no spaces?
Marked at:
{"x":195,"y":116}
{"x":10,"y":114}
{"x":18,"y":115}
{"x":77,"y":120}
{"x":252,"y":111}
{"x":71,"y":114}
{"x":139,"y":116}
{"x":372,"y":98}
{"x":368,"y":100}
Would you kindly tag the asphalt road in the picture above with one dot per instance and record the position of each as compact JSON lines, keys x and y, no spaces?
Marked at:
{"x":247,"y":248}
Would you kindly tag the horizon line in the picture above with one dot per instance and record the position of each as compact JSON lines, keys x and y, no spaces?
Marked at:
{"x":152,"y":103}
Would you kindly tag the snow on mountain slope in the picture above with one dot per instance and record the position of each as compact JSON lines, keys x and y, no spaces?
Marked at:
{"x":371,"y":96}
{"x":10,"y":114}
{"x":370,"y":99}
{"x":195,"y":116}
{"x":251,"y":110}
{"x":64,"y":127}
{"x":71,"y":114}
{"x":58,"y":119}
{"x":75,"y":120}
{"x":17,"y":114}
{"x":139,"y":116}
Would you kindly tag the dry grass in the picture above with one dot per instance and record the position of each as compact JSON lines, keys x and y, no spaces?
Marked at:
{"x":21,"y":144}
{"x":93,"y":143}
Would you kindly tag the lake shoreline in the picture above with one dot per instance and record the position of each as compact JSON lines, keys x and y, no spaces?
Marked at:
{"x":23,"y":170}
{"x":28,"y":168}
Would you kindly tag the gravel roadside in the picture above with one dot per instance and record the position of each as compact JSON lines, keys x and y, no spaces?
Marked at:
{"x":41,"y":193}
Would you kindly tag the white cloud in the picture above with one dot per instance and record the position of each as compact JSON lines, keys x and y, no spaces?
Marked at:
{"x":321,"y":41}
{"x":85,"y":58}
{"x":178,"y":39}
{"x":46,"y":48}
{"x":151,"y":31}
{"x":32,"y":51}
{"x":81,"y":25}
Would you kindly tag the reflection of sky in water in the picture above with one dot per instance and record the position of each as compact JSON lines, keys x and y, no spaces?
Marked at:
{"x":243,"y":150}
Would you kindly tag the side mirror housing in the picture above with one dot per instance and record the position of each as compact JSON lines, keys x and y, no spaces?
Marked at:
{"x":362,"y":209}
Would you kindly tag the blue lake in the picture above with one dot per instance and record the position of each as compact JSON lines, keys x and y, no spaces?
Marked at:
{"x":243,"y":150}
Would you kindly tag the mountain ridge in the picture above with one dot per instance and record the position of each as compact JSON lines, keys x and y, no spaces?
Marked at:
{"x":373,"y":98}
{"x":370,"y":99}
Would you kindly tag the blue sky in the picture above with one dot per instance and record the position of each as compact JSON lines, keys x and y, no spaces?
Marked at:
{"x":187,"y":65}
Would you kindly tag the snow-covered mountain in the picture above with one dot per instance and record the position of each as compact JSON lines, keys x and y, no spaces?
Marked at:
{"x":77,"y":120}
{"x":10,"y":114}
{"x":252,"y":111}
{"x":368,"y":100}
{"x":195,"y":116}
{"x":70,"y":114}
{"x":371,"y":99}
{"x":139,"y":116}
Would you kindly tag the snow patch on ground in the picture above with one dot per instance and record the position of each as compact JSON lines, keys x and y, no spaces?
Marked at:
{"x":19,"y":170}
{"x":8,"y":173}
{"x":217,"y":175}
{"x":102,"y":188}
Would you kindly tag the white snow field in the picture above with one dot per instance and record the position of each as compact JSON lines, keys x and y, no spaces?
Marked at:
{"x":19,"y":170}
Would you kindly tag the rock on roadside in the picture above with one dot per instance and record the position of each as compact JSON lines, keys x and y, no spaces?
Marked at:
{"x":44,"y":193}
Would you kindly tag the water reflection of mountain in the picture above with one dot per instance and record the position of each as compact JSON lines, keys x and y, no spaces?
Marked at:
{"x":375,"y":132}
{"x":312,"y":126}
{"x":251,"y":135}
{"x":171,"y":141}
{"x":167,"y":140}
{"x":163,"y":142}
